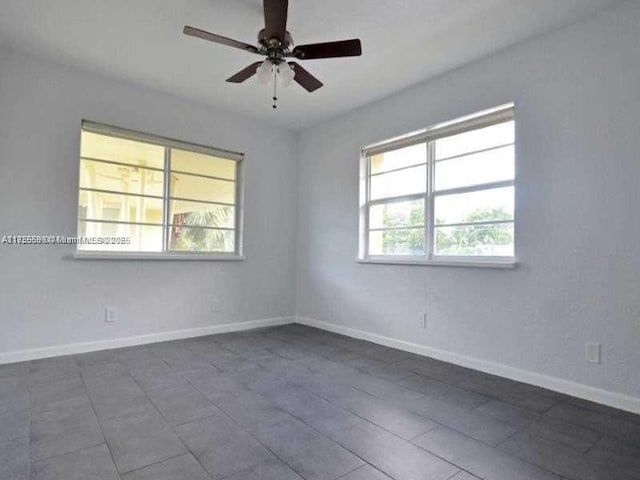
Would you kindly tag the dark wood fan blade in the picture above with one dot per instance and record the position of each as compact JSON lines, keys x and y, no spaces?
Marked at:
{"x":212,"y":37}
{"x":304,"y":78}
{"x":275,"y":18}
{"x":342,"y":48}
{"x":245,"y":73}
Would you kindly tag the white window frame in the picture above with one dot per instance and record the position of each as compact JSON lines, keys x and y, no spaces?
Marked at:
{"x":168,"y":144}
{"x":480,"y":120}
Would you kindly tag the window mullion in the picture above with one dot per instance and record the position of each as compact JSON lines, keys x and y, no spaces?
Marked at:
{"x":429,"y":206}
{"x":167,"y":192}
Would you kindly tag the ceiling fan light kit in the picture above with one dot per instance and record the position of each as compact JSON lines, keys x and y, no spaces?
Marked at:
{"x":281,"y":74}
{"x":276,"y":44}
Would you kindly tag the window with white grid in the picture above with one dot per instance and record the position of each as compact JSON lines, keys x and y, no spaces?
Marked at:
{"x":442,"y":194}
{"x":165,"y":197}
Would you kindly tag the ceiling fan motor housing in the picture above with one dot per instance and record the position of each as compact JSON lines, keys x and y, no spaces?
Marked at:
{"x":273,"y":47}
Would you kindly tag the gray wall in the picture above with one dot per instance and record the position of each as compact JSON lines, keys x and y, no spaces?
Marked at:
{"x":577,"y":102}
{"x":48,"y":299}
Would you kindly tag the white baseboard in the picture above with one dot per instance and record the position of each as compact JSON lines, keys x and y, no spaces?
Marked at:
{"x":73,"y":348}
{"x":586,"y":392}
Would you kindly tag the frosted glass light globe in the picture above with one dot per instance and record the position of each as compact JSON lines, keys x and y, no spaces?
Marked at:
{"x":285,"y":74}
{"x":265,"y":72}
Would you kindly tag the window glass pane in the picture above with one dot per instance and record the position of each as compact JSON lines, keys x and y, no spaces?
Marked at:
{"x":142,"y":238}
{"x":402,"y":157}
{"x":492,"y":240}
{"x":501,"y":134}
{"x":200,"y":188}
{"x":394,"y":184}
{"x":406,"y":242}
{"x":397,"y":214}
{"x":202,"y":239}
{"x":492,"y":166}
{"x":120,"y":178}
{"x":103,"y":147}
{"x":123,"y":208}
{"x":201,"y":214}
{"x":202,"y":164}
{"x":480,"y":206}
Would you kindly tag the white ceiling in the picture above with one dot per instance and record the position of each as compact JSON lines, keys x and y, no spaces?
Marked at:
{"x":404,"y":42}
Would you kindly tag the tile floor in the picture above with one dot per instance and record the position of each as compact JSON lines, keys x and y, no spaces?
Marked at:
{"x":291,"y":403}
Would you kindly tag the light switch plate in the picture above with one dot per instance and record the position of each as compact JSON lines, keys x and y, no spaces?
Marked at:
{"x":593,"y":352}
{"x":110,"y":314}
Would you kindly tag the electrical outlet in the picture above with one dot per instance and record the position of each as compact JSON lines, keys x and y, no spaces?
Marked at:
{"x":110,"y":314}
{"x":215,"y":305}
{"x":593,"y":352}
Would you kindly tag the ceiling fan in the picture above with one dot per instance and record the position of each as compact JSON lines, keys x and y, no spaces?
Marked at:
{"x":276,"y":44}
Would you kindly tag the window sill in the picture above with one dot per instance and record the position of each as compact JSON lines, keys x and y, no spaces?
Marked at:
{"x":499,"y":264}
{"x":154,"y":256}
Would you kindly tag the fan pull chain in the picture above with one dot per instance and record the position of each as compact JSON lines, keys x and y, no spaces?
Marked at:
{"x":275,"y":86}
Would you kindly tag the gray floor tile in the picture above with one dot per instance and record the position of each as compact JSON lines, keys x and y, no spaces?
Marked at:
{"x":582,"y":403}
{"x":156,"y":377}
{"x":184,"y":467}
{"x":368,"y":349}
{"x":310,"y":454}
{"x":332,"y":352}
{"x":182,"y":404}
{"x":119,"y":399}
{"x":366,"y":472}
{"x":319,"y":401}
{"x":251,"y":373}
{"x":403,"y":423}
{"x":482,"y":460}
{"x":185,"y":361}
{"x":66,"y":393}
{"x":14,"y":394}
{"x":64,"y":430}
{"x":289,"y":352}
{"x":20,"y":369}
{"x":278,"y":364}
{"x":14,"y":459}
{"x":222,"y":360}
{"x":250,"y":410}
{"x":272,"y":469}
{"x":53,"y":369}
{"x":442,"y":391}
{"x":617,"y":453}
{"x":90,"y":464}
{"x":103,"y":375}
{"x":14,"y":424}
{"x":395,"y":457}
{"x":337,"y":370}
{"x":311,"y":409}
{"x":562,"y":460}
{"x":464,"y":476}
{"x":475,"y":425}
{"x":379,"y":369}
{"x":221,"y":446}
{"x":615,"y":427}
{"x":140,"y":440}
{"x":238,"y":365}
{"x":94,"y":359}
{"x":211,"y":381}
{"x":480,"y":383}
{"x":567,"y":434}
{"x":388,"y":415}
{"x":504,"y":390}
{"x":134,"y":356}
